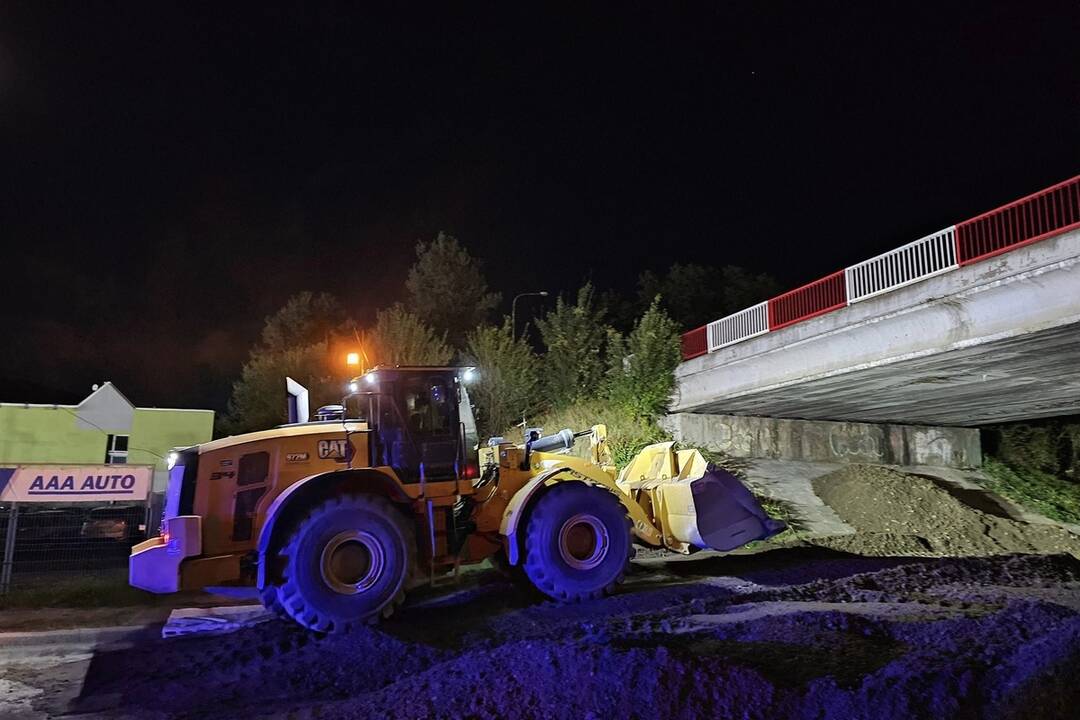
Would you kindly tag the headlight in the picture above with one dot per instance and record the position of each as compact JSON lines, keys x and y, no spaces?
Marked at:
{"x":353,"y":387}
{"x":469,"y":375}
{"x":170,"y":459}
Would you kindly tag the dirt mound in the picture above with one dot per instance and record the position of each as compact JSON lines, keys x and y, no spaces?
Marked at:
{"x":870,"y":638}
{"x":896,"y":513}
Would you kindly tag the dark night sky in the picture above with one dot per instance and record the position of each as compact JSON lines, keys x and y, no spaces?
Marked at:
{"x":170,"y":173}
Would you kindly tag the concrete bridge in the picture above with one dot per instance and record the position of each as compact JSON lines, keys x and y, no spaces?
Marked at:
{"x":976,"y":324}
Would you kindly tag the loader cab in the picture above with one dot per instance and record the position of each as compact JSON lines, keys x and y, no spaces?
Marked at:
{"x":421,"y":421}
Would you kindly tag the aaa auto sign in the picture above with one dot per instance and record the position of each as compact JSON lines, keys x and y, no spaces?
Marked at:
{"x":74,"y":483}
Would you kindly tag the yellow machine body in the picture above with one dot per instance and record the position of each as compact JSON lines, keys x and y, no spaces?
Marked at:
{"x":230,"y":502}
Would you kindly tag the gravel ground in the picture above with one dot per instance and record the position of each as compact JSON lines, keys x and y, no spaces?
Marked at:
{"x":806,"y":631}
{"x":791,"y":633}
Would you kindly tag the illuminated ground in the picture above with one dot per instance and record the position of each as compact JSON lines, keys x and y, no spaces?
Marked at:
{"x":794,"y":632}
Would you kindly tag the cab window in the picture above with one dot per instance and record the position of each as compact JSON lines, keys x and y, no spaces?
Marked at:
{"x":428,"y":406}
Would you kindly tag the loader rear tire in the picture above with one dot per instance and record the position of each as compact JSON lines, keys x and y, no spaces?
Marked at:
{"x":347,"y":563}
{"x":270,"y":601}
{"x":577,"y":542}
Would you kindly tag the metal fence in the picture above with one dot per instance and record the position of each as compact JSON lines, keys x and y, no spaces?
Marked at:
{"x":740,"y":326}
{"x":48,"y":543}
{"x":1029,"y":219}
{"x":905,"y":265}
{"x":805,"y":302}
{"x":694,"y":343}
{"x":1036,"y":217}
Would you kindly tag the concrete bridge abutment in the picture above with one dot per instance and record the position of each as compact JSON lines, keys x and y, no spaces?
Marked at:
{"x":828,"y":442}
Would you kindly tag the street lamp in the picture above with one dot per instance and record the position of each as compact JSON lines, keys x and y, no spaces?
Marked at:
{"x":513,"y":310}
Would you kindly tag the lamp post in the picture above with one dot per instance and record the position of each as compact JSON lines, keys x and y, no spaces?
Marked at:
{"x":513,"y":310}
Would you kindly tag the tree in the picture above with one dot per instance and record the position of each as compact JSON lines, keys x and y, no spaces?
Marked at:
{"x":574,"y":335}
{"x":644,"y":380}
{"x":697,"y":294}
{"x":305,"y":319}
{"x":401,"y":338}
{"x":297,"y":342}
{"x":508,"y":382}
{"x":258,"y":397}
{"x":447,"y":289}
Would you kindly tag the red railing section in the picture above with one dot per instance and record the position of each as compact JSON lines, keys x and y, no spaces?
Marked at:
{"x":694,"y":343}
{"x":820,"y":296}
{"x":1030,"y":219}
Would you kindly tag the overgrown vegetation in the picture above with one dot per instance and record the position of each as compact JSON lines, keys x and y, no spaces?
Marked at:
{"x":627,"y":433}
{"x":1036,"y":465}
{"x":1035,"y":490}
{"x":508,"y":387}
{"x":603,"y":357}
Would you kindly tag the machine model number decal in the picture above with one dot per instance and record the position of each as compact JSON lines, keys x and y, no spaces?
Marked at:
{"x":296,"y":457}
{"x":222,"y":474}
{"x":331,"y":449}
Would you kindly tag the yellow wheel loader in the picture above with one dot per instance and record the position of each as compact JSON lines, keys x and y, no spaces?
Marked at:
{"x":334,"y":520}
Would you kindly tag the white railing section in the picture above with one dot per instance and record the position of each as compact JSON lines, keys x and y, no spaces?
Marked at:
{"x":745,"y":324}
{"x":924,"y":258}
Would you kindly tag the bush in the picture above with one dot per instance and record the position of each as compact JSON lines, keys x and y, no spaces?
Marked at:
{"x":1035,"y":490}
{"x":644,"y":381}
{"x":627,"y":433}
{"x":575,"y":335}
{"x":507,"y":388}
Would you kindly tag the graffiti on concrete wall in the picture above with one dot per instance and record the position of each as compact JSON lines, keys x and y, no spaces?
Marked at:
{"x":724,"y":437}
{"x":933,"y":448}
{"x":859,"y":445}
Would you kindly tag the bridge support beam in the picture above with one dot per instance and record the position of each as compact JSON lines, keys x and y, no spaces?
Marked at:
{"x":831,"y":442}
{"x":991,"y":342}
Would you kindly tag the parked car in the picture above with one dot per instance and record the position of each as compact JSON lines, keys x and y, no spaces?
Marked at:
{"x":125,"y":524}
{"x":49,"y":527}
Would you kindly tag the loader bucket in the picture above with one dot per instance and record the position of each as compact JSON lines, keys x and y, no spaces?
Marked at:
{"x":695,"y":502}
{"x":728,"y":515}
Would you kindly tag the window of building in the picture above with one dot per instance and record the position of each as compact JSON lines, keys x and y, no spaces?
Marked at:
{"x":116,"y":450}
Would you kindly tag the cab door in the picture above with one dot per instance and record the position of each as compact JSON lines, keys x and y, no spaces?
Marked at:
{"x":422,"y":433}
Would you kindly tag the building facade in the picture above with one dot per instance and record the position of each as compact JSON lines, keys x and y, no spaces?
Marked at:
{"x":104,"y":429}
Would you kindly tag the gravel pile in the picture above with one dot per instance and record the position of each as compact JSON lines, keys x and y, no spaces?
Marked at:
{"x":897,"y":513}
{"x":875,"y":639}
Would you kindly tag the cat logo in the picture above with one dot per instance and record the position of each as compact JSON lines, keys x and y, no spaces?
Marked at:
{"x":332,"y":449}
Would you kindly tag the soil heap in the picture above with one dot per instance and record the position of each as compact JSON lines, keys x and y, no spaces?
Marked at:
{"x":897,"y":513}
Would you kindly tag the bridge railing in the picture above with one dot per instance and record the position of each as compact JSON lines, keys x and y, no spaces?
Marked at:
{"x":924,"y":258}
{"x":816,"y":298}
{"x":1030,"y":219}
{"x":694,"y":343}
{"x":745,"y":324}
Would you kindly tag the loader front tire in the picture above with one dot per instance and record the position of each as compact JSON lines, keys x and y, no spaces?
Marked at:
{"x":347,"y":563}
{"x":577,"y":542}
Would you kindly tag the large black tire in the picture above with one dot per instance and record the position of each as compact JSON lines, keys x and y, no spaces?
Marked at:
{"x":513,"y":573}
{"x":270,"y":601}
{"x":347,"y":563}
{"x":577,"y":542}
